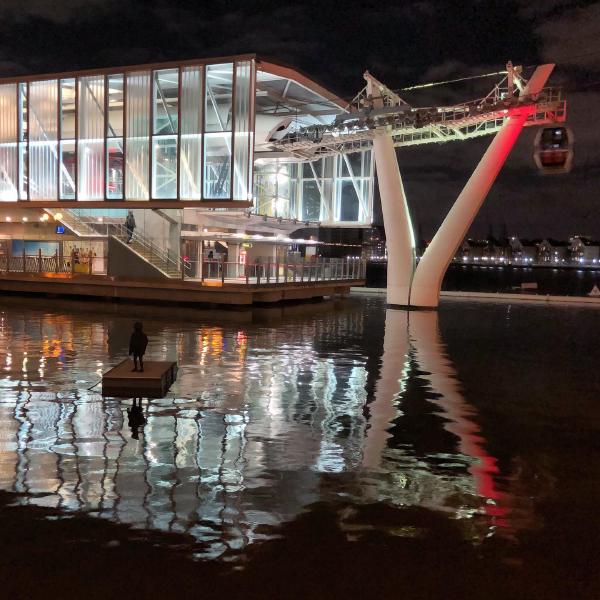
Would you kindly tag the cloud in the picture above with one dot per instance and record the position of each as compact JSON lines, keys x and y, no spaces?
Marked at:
{"x":59,"y":11}
{"x":572,"y":39}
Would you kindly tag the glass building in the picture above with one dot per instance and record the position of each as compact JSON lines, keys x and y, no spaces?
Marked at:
{"x":192,"y":133}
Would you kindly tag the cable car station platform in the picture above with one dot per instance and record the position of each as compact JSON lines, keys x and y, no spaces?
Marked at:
{"x":173,"y":290}
{"x":154,"y":381}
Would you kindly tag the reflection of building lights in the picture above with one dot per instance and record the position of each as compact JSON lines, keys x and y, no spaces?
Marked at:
{"x":58,"y":216}
{"x":8,"y":219}
{"x":24,"y":219}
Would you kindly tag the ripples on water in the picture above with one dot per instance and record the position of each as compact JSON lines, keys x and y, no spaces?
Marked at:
{"x":272,"y":411}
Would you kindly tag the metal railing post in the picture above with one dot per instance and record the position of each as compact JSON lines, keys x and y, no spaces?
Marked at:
{"x":56,"y":261}
{"x":268,"y":272}
{"x":247,"y":269}
{"x":182,"y":269}
{"x":39,"y":260}
{"x":24,"y":259}
{"x":277,"y":272}
{"x":222,"y":271}
{"x":302,"y":272}
{"x":72,"y":262}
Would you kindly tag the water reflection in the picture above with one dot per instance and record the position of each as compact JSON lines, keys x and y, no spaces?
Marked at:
{"x":262,"y":422}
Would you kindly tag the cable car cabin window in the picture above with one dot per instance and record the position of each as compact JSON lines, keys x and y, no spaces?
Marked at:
{"x":554,"y":150}
{"x":554,"y":139}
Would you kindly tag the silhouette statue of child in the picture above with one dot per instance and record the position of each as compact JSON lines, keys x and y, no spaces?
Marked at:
{"x":135,"y":418}
{"x":137,"y":346}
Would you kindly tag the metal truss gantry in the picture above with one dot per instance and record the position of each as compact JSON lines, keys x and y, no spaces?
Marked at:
{"x":379,"y":116}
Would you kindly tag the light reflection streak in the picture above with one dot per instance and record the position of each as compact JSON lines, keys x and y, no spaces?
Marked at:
{"x":256,"y":419}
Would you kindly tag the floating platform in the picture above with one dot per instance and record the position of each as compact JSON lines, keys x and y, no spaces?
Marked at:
{"x":170,"y":290}
{"x":154,"y":381}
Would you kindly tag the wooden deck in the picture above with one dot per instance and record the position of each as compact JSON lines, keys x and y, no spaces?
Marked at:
{"x":98,"y":286}
{"x":154,"y":381}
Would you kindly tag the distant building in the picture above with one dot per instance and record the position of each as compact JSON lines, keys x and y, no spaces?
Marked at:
{"x":522,"y":251}
{"x":552,"y":251}
{"x":583,"y":250}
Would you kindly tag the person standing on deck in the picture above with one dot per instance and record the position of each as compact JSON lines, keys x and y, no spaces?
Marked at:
{"x":137,"y":346}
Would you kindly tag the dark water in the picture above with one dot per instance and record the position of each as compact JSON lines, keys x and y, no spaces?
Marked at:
{"x":492,"y":279}
{"x":484,"y":419}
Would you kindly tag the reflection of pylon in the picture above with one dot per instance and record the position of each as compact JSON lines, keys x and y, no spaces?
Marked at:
{"x":595,"y":292}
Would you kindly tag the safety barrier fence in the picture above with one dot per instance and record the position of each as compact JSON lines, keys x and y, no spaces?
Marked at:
{"x":40,"y":263}
{"x":263,"y":273}
{"x":268,"y":273}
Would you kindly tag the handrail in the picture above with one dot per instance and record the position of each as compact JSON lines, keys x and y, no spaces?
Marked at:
{"x":147,"y":244}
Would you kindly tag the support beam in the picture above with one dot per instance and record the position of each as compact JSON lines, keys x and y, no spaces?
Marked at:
{"x":427,"y":281}
{"x":396,"y":218}
{"x":431,"y":269}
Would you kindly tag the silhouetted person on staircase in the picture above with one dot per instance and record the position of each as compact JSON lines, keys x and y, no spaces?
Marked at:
{"x":129,"y":225}
{"x":137,"y":346}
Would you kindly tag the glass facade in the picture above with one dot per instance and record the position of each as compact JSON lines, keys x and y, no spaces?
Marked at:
{"x":183,"y":132}
{"x":43,"y":139}
{"x":333,"y":190}
{"x":9,"y":158}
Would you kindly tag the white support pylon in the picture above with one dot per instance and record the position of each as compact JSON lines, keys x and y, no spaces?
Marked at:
{"x":430,"y":271}
{"x":396,"y":217}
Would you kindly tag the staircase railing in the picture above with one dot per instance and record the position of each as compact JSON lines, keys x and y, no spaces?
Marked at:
{"x":162,"y":260}
{"x":73,"y":222}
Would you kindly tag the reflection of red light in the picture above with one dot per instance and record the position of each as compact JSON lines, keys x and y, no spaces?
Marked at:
{"x":186,"y":258}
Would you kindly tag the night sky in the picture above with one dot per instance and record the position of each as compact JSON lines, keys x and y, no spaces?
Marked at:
{"x":401,"y":43}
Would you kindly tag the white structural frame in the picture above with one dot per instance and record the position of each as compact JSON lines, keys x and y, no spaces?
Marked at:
{"x":427,"y":279}
{"x":382,"y":117}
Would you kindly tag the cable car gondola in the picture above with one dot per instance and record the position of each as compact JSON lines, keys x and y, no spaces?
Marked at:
{"x":553,"y":151}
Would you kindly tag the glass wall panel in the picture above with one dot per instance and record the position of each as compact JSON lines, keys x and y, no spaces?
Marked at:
{"x":114,"y":169}
{"x":348,"y":201}
{"x":217,"y":165}
{"x":23,"y":136}
{"x":114,"y":132}
{"x":219,"y":84}
{"x":164,"y":161}
{"x":43,"y":133}
{"x":353,"y":187}
{"x":90,"y":179}
{"x":243,"y":119}
{"x":115,"y":106}
{"x":138,"y":134}
{"x":67,"y":170}
{"x":311,"y":201}
{"x":190,"y":172}
{"x":166,"y":86}
{"x":67,"y":166}
{"x":165,"y":127}
{"x":9,"y":162}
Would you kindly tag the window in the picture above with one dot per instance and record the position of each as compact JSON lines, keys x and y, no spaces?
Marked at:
{"x":43,"y":125}
{"x":9,"y":163}
{"x":165,"y":128}
{"x":138,"y":133}
{"x":114,"y":134}
{"x":67,"y":165}
{"x":218,"y":137}
{"x":190,"y":155}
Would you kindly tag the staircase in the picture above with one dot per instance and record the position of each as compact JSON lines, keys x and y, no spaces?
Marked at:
{"x":73,"y":222}
{"x":151,"y":253}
